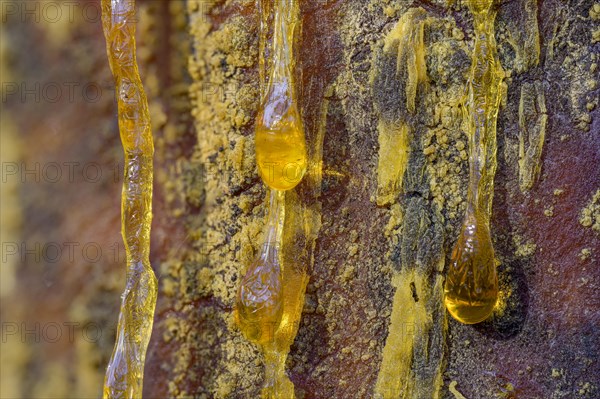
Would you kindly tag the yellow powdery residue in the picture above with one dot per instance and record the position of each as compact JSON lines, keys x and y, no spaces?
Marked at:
{"x":595,"y":12}
{"x":444,"y":142}
{"x":223,"y":103}
{"x":585,"y":254}
{"x":446,"y":154}
{"x":523,"y":248}
{"x":590,"y":215}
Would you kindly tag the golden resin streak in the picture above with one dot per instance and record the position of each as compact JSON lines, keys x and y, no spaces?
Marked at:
{"x":280,"y":143}
{"x":124,"y":375}
{"x":405,"y":39}
{"x":471,"y":288}
{"x":411,"y":365}
{"x":532,"y":133}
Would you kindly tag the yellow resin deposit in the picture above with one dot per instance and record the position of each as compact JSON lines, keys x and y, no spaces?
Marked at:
{"x":471,"y":288}
{"x":280,"y":142}
{"x":124,"y":375}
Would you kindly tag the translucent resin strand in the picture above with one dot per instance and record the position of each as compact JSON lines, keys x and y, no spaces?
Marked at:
{"x":124,"y":374}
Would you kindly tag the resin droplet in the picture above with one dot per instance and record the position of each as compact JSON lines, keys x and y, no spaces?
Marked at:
{"x":280,"y":142}
{"x":259,"y":302}
{"x":471,"y":288}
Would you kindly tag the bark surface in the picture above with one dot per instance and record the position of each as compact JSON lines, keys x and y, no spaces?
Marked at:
{"x":373,"y":323}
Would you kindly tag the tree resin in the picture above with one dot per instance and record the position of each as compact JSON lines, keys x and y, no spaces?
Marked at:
{"x":280,"y":143}
{"x":124,"y":374}
{"x":260,"y":298}
{"x":471,"y":288}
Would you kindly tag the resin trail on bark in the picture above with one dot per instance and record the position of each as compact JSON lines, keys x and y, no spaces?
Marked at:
{"x":271,"y":296}
{"x":280,"y":142}
{"x":532,"y":133}
{"x":471,"y":288}
{"x":124,"y":374}
{"x":413,"y":355}
{"x":405,"y":43}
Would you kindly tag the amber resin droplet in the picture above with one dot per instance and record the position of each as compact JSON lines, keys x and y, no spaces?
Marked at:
{"x":259,"y":302}
{"x":280,"y":142}
{"x":471,"y":288}
{"x":472,"y":283}
{"x":269,"y":302}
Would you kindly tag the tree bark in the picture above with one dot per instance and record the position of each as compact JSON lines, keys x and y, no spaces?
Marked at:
{"x":375,"y":242}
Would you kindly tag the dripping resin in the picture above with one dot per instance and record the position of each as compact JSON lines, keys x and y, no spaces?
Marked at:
{"x":279,"y":139}
{"x":259,"y":300}
{"x":266,"y":302}
{"x":125,"y":371}
{"x":471,"y":288}
{"x":260,"y":303}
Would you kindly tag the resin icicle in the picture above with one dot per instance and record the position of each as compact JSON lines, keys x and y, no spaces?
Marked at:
{"x":124,"y":375}
{"x":471,"y":288}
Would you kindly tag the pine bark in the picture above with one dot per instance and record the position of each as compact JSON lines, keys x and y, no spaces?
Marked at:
{"x":376,"y":270}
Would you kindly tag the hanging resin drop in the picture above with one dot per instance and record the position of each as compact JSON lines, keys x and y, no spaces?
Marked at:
{"x":471,"y":288}
{"x":280,"y":142}
{"x":259,"y":303}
